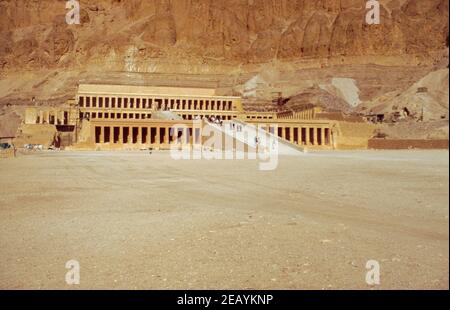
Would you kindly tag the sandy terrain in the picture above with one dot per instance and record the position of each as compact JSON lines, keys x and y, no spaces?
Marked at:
{"x":135,"y":220}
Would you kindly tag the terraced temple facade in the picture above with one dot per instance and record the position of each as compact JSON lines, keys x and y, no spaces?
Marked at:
{"x":111,"y":102}
{"x":138,"y":117}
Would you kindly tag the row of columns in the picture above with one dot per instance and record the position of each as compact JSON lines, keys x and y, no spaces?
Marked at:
{"x":258,"y":116}
{"x":307,"y":114}
{"x":55,"y":117}
{"x":306,"y":135}
{"x":166,"y":135}
{"x":154,"y":103}
{"x":113,"y":115}
{"x":302,"y":115}
{"x":138,"y":135}
{"x":226,"y":117}
{"x":116,"y":115}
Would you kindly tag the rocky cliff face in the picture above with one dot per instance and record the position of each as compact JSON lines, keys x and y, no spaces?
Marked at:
{"x":289,"y":45}
{"x":131,"y":34}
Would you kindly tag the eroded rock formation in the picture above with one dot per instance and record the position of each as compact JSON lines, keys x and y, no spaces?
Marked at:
{"x":34,"y":34}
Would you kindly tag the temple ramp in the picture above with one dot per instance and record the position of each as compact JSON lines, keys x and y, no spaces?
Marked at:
{"x":256,"y":138}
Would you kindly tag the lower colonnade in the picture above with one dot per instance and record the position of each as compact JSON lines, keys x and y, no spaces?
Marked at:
{"x":163,"y":134}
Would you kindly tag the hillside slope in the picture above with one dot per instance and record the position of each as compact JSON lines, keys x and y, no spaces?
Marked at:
{"x":223,"y":43}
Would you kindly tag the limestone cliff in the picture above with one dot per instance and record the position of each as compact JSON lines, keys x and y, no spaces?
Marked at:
{"x":130,"y":34}
{"x":224,"y":40}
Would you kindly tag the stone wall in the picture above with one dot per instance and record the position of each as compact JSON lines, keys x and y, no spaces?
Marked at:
{"x":399,"y":144}
{"x":354,"y":135}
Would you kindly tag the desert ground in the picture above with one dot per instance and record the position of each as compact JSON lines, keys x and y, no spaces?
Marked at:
{"x":136,"y":220}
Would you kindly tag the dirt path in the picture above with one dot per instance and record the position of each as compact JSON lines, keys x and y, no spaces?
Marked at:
{"x":135,"y":220}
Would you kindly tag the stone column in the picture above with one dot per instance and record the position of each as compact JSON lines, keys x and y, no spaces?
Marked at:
{"x":197,"y":135}
{"x":130,"y":134}
{"x":139,"y":135}
{"x":102,"y":130}
{"x":328,"y":137}
{"x":111,"y":134}
{"x":158,"y":137}
{"x":191,"y":135}
{"x":308,"y":140}
{"x":322,"y":136}
{"x":184,"y":136}
{"x":166,"y":135}
{"x":173,"y":138}
{"x":316,"y":136}
{"x":121,"y":135}
{"x":92,"y":135}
